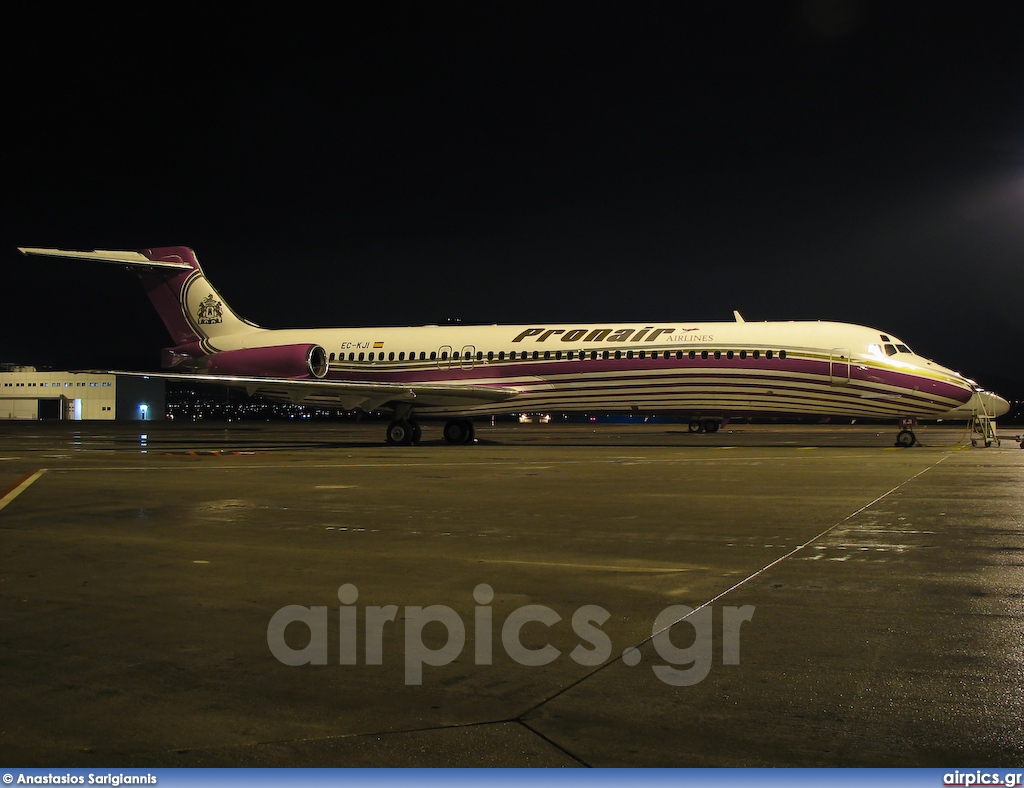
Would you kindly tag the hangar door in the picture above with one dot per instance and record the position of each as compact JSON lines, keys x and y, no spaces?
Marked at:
{"x":19,"y":408}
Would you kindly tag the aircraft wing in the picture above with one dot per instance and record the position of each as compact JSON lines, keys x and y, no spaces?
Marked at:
{"x":349,"y":395}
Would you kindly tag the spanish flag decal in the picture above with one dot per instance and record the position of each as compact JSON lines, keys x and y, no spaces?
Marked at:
{"x":378,"y":344}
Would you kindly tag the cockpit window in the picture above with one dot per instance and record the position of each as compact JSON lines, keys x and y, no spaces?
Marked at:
{"x":903,"y":349}
{"x":890,"y":350}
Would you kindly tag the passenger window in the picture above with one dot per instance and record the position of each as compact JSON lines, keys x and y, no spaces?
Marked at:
{"x":704,"y":355}
{"x":757,"y":354}
{"x":782,"y":354}
{"x":743,"y":354}
{"x":391,"y":356}
{"x":729,"y":355}
{"x":360,"y":356}
{"x":501,"y":355}
{"x":769,"y":354}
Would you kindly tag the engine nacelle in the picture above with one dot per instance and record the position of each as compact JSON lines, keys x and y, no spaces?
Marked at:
{"x":279,"y":361}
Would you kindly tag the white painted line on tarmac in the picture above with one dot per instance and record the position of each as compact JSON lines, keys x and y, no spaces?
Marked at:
{"x":733,"y":587}
{"x":628,"y":568}
{"x":16,"y":489}
{"x":798,"y":548}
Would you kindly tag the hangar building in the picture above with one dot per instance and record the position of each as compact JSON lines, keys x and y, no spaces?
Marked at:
{"x":26,"y":393}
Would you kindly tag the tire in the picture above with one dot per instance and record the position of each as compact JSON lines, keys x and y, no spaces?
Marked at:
{"x":695,"y":425}
{"x":455,"y":432}
{"x":399,"y":433}
{"x":905,"y":439}
{"x":711,"y":425}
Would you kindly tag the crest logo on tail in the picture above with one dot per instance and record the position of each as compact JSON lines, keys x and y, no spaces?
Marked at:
{"x":210,"y":311}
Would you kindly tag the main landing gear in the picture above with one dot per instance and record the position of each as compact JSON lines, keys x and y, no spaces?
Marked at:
{"x":406,"y":432}
{"x":459,"y":431}
{"x":906,"y":438}
{"x":403,"y":433}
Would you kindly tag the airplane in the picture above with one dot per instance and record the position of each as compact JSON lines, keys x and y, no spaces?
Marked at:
{"x":707,"y":371}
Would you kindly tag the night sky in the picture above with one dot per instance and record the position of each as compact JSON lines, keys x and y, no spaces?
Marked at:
{"x":520,"y":162}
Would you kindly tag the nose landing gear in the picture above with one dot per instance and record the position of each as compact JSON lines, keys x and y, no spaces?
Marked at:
{"x":906,"y":438}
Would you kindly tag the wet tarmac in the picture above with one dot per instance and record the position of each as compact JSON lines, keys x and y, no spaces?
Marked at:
{"x":853,"y":604}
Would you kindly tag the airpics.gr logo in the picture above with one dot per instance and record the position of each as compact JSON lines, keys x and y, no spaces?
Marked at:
{"x":685,"y":666}
{"x":210,"y":311}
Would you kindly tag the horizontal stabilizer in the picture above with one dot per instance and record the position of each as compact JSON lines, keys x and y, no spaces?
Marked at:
{"x":134,"y":259}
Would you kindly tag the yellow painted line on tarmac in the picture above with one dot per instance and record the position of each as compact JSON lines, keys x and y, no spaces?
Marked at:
{"x":10,"y":493}
{"x":601,"y":567}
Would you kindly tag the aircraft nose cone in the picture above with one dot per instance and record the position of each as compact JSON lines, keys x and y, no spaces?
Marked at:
{"x":996,"y":405}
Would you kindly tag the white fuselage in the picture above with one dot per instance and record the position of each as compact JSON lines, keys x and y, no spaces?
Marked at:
{"x":813,"y":368}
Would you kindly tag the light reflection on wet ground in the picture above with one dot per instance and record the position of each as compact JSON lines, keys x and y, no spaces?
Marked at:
{"x":140,"y":575}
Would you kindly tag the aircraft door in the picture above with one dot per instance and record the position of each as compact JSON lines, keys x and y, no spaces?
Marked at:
{"x":444,"y":356}
{"x":468,"y":354}
{"x":839,"y":366}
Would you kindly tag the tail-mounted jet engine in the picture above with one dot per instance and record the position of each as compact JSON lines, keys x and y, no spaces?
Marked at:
{"x":279,"y":361}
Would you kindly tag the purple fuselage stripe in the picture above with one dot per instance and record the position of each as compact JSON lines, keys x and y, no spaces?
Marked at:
{"x":576,"y":376}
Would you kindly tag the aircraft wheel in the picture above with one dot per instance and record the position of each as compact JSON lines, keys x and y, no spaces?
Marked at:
{"x":400,"y":433}
{"x":711,"y":426}
{"x":458,"y":431}
{"x":417,"y":431}
{"x":695,"y":425}
{"x":905,"y":439}
{"x":455,"y":432}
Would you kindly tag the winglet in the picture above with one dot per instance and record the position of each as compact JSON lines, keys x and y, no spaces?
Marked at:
{"x":738,"y":316}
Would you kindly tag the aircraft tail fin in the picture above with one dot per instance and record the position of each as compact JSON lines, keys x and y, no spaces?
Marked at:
{"x":192,"y":310}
